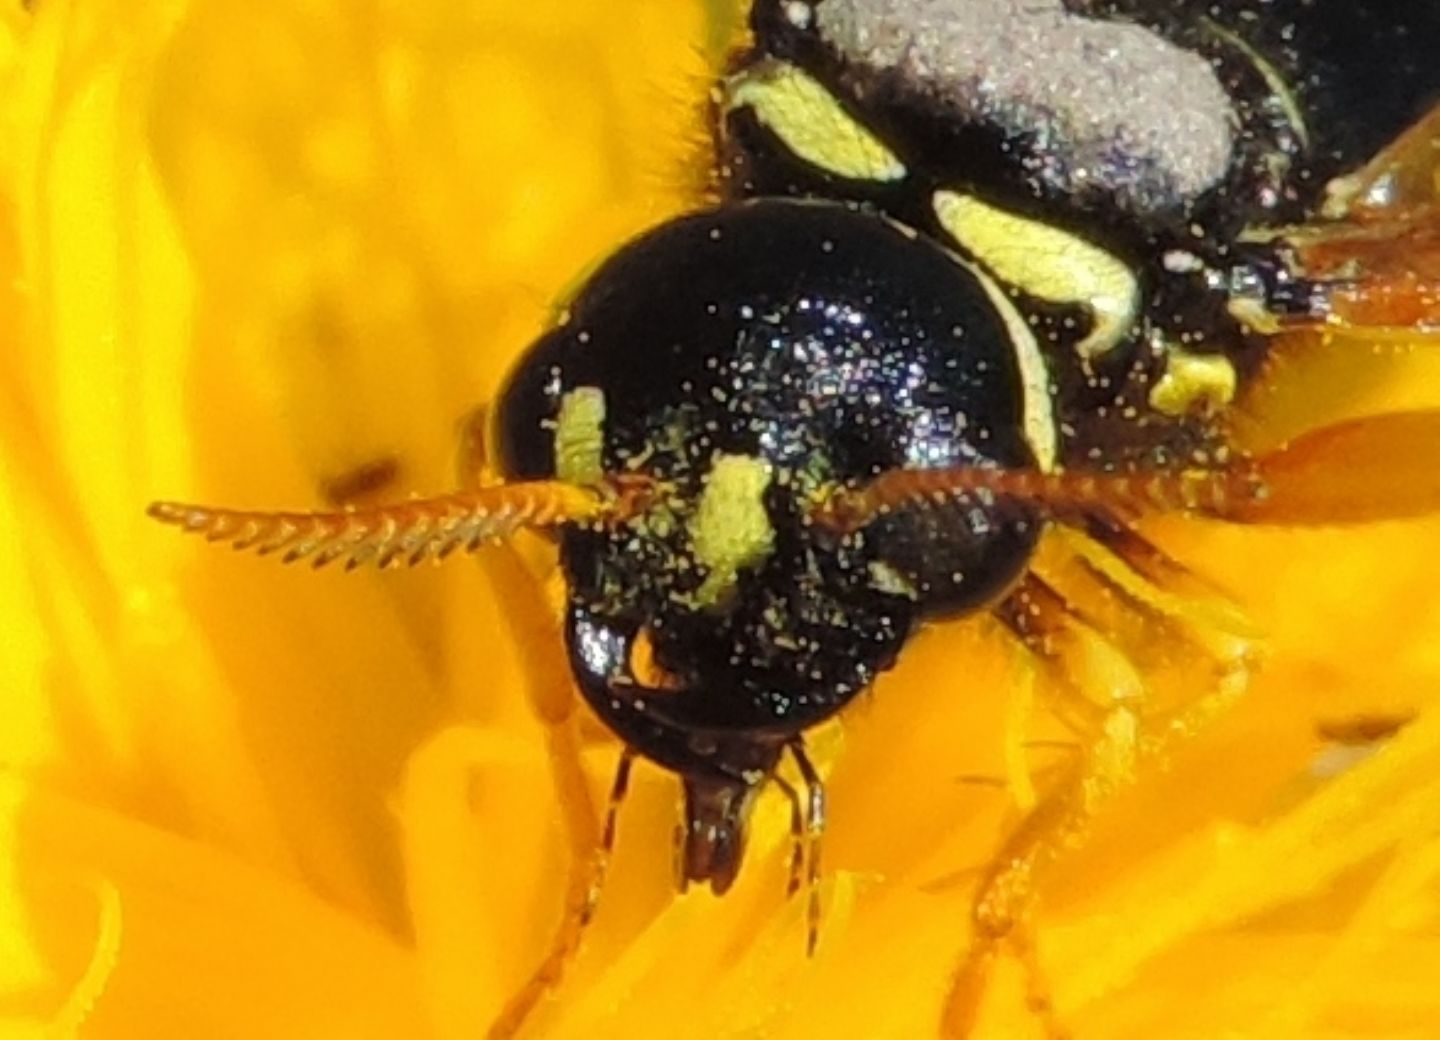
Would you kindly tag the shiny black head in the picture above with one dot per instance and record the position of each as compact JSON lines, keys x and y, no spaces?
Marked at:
{"x":749,"y":362}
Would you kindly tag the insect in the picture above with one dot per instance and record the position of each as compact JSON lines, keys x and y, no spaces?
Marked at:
{"x":970,"y":303}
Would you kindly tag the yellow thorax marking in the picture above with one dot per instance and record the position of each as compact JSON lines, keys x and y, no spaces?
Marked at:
{"x":1047,"y":263}
{"x":811,"y":122}
{"x":580,"y":436}
{"x":1270,"y":74}
{"x":730,"y":529}
{"x":1193,"y":382}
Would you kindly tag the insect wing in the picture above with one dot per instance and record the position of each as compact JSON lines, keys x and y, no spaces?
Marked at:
{"x":1374,"y":264}
{"x":1381,"y":467}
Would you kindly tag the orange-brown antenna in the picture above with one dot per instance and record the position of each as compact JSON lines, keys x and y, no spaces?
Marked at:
{"x":1378,"y":468}
{"x":1200,"y":491}
{"x":407,"y":532}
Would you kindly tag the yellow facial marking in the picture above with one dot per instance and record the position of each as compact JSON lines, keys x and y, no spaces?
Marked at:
{"x":811,"y":122}
{"x":1193,"y":382}
{"x":580,"y":436}
{"x":1047,"y":263}
{"x":1040,"y":432}
{"x":730,"y":529}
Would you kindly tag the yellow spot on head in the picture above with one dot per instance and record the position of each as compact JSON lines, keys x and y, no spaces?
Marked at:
{"x":1047,"y":263}
{"x":1193,"y":382}
{"x":580,"y":436}
{"x":731,"y":529}
{"x":811,"y":122}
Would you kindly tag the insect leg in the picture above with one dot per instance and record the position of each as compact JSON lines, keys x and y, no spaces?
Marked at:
{"x":585,"y":889}
{"x":1102,"y":608}
{"x":815,"y":828}
{"x":601,"y":864}
{"x":1195,"y":648}
{"x":1001,"y":912}
{"x":797,"y":836}
{"x":550,"y":690}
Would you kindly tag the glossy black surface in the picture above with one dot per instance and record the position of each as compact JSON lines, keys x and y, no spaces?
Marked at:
{"x":833,"y":345}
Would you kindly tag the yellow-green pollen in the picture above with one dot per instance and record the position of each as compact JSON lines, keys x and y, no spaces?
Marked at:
{"x":580,"y":436}
{"x":730,"y":529}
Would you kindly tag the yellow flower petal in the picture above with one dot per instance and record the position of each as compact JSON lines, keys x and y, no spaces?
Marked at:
{"x":150,"y":934}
